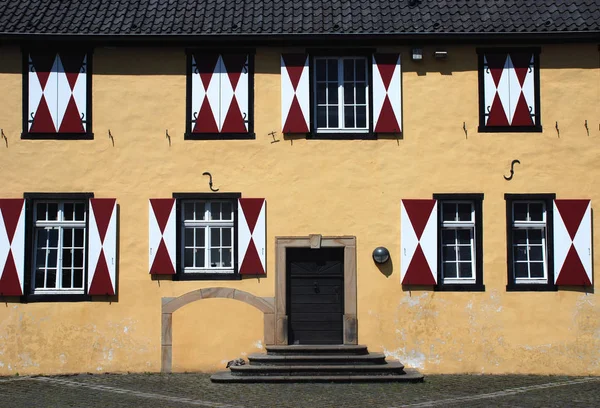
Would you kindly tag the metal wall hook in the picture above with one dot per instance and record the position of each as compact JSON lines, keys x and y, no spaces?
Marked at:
{"x":512,"y":170}
{"x":587,"y":128}
{"x":272,"y":134}
{"x":557,"y":130}
{"x":4,"y":137}
{"x":167,"y":136}
{"x":112,"y":139}
{"x":210,"y":182}
{"x":465,"y":130}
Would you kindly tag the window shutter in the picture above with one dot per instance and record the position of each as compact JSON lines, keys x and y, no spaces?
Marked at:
{"x":295,"y":93}
{"x":419,"y":242}
{"x":573,"y":242}
{"x":252,"y":225}
{"x":102,"y":253}
{"x":72,"y":91}
{"x":205,"y":102}
{"x":163,"y":236}
{"x":43,"y":88}
{"x":522,"y":89}
{"x":234,"y":93}
{"x":387,"y":93}
{"x":12,"y":246}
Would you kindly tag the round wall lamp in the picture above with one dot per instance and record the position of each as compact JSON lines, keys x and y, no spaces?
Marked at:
{"x":381,"y":255}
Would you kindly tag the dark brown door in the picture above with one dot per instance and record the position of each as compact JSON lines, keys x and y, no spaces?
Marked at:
{"x":315,"y":295}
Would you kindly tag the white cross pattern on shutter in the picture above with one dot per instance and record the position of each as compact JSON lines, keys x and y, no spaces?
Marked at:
{"x":573,"y":242}
{"x":387,"y":93}
{"x":162,"y":236}
{"x":295,"y":93}
{"x":252,"y":226}
{"x":12,"y":246}
{"x":102,"y":254}
{"x":418,"y":256}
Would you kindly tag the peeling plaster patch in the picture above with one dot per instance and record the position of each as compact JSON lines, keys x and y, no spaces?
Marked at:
{"x":98,"y":368}
{"x":258,"y":344}
{"x":125,"y":329}
{"x":414,"y":300}
{"x":413,"y":358}
{"x":470,"y":305}
{"x":224,"y":361}
{"x":63,"y":359}
{"x":243,"y":353}
{"x":26,"y":360}
{"x":1,"y":364}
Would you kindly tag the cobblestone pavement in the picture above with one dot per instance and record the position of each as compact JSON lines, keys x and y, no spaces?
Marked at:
{"x":189,"y":390}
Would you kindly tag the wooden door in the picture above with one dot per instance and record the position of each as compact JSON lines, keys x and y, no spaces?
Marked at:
{"x":315,"y":295}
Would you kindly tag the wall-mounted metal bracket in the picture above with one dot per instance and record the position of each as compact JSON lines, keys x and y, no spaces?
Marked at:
{"x":512,"y":170}
{"x":210,"y":182}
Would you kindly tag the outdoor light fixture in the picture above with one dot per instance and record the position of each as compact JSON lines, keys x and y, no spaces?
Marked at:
{"x":381,"y":255}
{"x":417,"y":54}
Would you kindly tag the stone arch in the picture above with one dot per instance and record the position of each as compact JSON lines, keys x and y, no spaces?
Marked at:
{"x":170,"y":305}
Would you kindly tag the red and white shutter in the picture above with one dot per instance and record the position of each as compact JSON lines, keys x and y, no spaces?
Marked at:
{"x":252,"y":225}
{"x":387,"y":93}
{"x":295,"y":91}
{"x":43,"y":93}
{"x":102,"y":254}
{"x":234,"y":93}
{"x":205,"y":104}
{"x":418,"y":256}
{"x":12,"y":246}
{"x":162,"y":237}
{"x":72,"y":91}
{"x":509,"y":89}
{"x":573,"y":242}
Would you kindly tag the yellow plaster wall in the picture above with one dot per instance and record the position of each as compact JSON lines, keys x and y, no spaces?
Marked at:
{"x":311,"y":186}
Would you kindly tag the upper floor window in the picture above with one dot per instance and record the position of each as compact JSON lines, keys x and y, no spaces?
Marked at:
{"x":57,"y":100}
{"x":509,"y":90}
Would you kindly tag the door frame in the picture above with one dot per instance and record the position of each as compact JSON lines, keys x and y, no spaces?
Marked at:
{"x":316,"y":241}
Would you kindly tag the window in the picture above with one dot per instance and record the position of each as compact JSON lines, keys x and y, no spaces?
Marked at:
{"x":509,"y":90}
{"x":57,"y":100}
{"x":220,"y":95}
{"x":460,"y":242}
{"x":530,"y":242}
{"x":341,"y":90}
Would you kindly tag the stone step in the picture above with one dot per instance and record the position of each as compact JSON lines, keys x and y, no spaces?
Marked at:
{"x":318,"y":370}
{"x":350,"y":349}
{"x":227,"y":377}
{"x":320,"y":359}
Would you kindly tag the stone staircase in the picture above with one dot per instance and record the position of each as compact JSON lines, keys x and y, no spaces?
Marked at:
{"x":304,"y":363}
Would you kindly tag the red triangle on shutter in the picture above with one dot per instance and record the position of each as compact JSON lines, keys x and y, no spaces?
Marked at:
{"x":521,"y":65}
{"x":9,"y":283}
{"x":234,"y":120}
{"x":572,"y":212}
{"x":234,"y":65}
{"x":101,"y":283}
{"x":386,"y":64}
{"x":387,"y":118}
{"x":42,"y":120}
{"x":103,"y":209}
{"x":572,"y":271}
{"x":161,"y":207}
{"x":295,"y":121}
{"x":206,"y":64}
{"x":251,"y":264}
{"x":205,"y":122}
{"x":418,"y":212}
{"x":11,"y":211}
{"x":72,"y":62}
{"x":522,"y":116}
{"x":162,"y":264}
{"x":294,"y":65}
{"x":71,"y":122}
{"x":496,"y":64}
{"x":497,"y":115}
{"x":42,"y":64}
{"x":251,"y":208}
{"x":418,"y":271}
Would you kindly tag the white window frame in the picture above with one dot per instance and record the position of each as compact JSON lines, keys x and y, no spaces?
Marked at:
{"x":340,"y":80}
{"x":59,"y":224}
{"x":207,"y":223}
{"x":530,"y":225}
{"x":459,"y":225}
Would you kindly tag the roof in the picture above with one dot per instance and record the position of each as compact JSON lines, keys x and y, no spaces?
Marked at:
{"x":286,"y":18}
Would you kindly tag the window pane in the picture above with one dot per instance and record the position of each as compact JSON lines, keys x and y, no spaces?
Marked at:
{"x":52,"y":211}
{"x":536,"y":212}
{"x":465,"y":270}
{"x":536,"y":269}
{"x":361,"y":93}
{"x":227,"y":236}
{"x":333,"y":116}
{"x":42,"y":237}
{"x":52,"y":258}
{"x":519,"y":236}
{"x":215,"y":211}
{"x":360,"y":70}
{"x":66,"y":278}
{"x":67,"y":258}
{"x":348,"y":92}
{"x":321,"y":93}
{"x":200,"y":237}
{"x":535,"y":253}
{"x":464,"y":236}
{"x":68,"y":237}
{"x":188,"y":211}
{"x":449,"y":212}
{"x":349,"y":70}
{"x":535,"y":236}
{"x":349,"y":116}
{"x":332,"y":93}
{"x":41,"y":211}
{"x":215,"y":258}
{"x":39,"y":278}
{"x":449,"y":253}
{"x":40,"y":260}
{"x":321,"y":69}
{"x":68,"y":211}
{"x":520,"y":211}
{"x":449,"y":270}
{"x":215,"y":237}
{"x":189,"y":257}
{"x":464,"y":212}
{"x":332,"y":70}
{"x":200,"y":258}
{"x":226,"y":211}
{"x":520,"y":253}
{"x":322,"y":116}
{"x":79,"y":212}
{"x":78,"y":278}
{"x":521,"y":270}
{"x":448,"y":236}
{"x":78,"y":257}
{"x":464,"y":253}
{"x":79,"y":237}
{"x":361,"y":116}
{"x":51,"y":278}
{"x":189,"y":237}
{"x":53,"y":238}
{"x":226,"y":258}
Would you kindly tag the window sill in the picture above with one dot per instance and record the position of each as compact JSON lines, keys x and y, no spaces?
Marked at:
{"x":531,"y":287}
{"x":206,"y":276}
{"x":219,"y":136}
{"x":465,"y":287}
{"x":55,"y":298}
{"x":509,"y":129}
{"x":342,"y":136}
{"x":57,"y":136}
